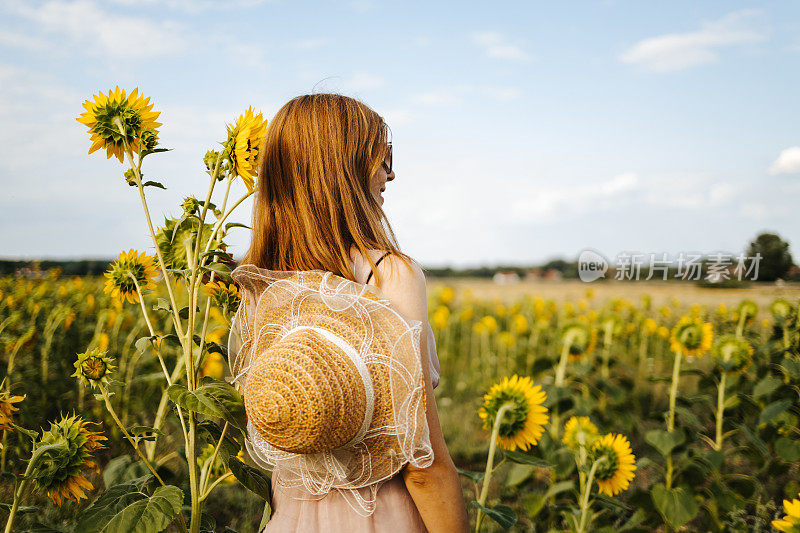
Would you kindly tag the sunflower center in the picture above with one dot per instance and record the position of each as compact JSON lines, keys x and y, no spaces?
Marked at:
{"x":94,"y":368}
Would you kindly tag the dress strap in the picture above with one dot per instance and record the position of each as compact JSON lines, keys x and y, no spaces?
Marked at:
{"x":376,"y":265}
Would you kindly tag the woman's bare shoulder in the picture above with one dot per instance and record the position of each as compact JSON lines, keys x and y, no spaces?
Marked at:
{"x":403,"y":283}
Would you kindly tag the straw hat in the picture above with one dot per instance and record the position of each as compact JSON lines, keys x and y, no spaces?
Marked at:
{"x":331,"y":379}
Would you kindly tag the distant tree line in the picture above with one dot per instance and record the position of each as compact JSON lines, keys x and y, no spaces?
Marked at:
{"x":776,"y":263}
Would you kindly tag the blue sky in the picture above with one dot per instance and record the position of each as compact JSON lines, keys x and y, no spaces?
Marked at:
{"x":522,"y":131}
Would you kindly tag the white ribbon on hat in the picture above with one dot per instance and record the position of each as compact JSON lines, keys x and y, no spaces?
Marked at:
{"x":362,"y":370}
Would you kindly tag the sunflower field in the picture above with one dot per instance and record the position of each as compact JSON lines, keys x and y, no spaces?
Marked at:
{"x":117,"y":410}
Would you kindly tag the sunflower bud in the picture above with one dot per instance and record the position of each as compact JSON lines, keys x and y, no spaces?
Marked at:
{"x":93,"y":368}
{"x":210,"y":159}
{"x":149,"y":139}
{"x":130,"y":177}
{"x":190,"y":205}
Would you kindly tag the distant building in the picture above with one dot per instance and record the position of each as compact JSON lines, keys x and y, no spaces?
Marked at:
{"x":30,"y":271}
{"x":505,"y":277}
{"x":533,"y":274}
{"x":551,"y":274}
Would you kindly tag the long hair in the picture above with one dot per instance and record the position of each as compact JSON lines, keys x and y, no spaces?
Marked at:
{"x":313,"y":200}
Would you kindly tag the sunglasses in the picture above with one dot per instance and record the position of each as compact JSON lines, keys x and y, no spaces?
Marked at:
{"x":388,"y":166}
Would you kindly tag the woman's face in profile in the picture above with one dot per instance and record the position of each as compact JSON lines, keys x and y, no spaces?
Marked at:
{"x":379,"y":179}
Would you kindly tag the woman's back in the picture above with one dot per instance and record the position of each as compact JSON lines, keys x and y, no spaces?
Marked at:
{"x":395,"y":511}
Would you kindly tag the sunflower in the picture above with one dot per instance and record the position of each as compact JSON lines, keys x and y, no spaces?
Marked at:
{"x":120,"y":283}
{"x":748,"y":309}
{"x":7,"y":410}
{"x":791,"y":522}
{"x":489,"y":323}
{"x":615,"y":473}
{"x":60,"y":475}
{"x":523,"y":424}
{"x":579,"y":431}
{"x":93,"y":368}
{"x":584,"y":339}
{"x":781,"y":309}
{"x":225,"y":295}
{"x":732,"y":353}
{"x":519,"y":324}
{"x":246,"y":136}
{"x":649,"y":326}
{"x":440,"y":317}
{"x":692,"y":337}
{"x":133,"y":111}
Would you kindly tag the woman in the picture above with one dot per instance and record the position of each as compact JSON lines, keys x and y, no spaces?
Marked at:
{"x":323,"y":170}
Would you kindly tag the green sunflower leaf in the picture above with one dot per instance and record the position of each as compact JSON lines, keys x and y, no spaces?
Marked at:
{"x":214,"y":398}
{"x":788,"y":449}
{"x":148,"y":515}
{"x":502,"y":514}
{"x":774,"y":409}
{"x":664,"y":441}
{"x":676,"y":505}
{"x":526,"y":459}
{"x":476,"y":477}
{"x":253,"y":479}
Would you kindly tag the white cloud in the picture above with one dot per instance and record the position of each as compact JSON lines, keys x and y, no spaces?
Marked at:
{"x":676,"y":51}
{"x":688,"y":191}
{"x":104,"y":33}
{"x":437,"y":97}
{"x":503,"y":94}
{"x":309,"y":44}
{"x":788,"y":162}
{"x":363,"y":81}
{"x":544,"y":205}
{"x":21,"y":40}
{"x":757,"y":210}
{"x":496,"y":45}
{"x":196,"y":6}
{"x":397,"y":116}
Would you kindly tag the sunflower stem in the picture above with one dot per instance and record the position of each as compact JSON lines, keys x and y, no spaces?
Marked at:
{"x":587,"y":489}
{"x":487,"y":477}
{"x":562,"y":363}
{"x":225,"y":216}
{"x":113,"y":413}
{"x":673,"y":394}
{"x":204,"y":480}
{"x":216,"y":482}
{"x":740,"y":325}
{"x":150,"y":447}
{"x":167,"y":276}
{"x":20,"y":489}
{"x":196,"y":273}
{"x":673,"y":390}
{"x":720,"y":410}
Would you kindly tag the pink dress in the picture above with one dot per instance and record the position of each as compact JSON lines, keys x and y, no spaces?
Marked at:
{"x":294,"y":510}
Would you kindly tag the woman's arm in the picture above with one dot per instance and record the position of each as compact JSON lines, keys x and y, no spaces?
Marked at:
{"x":436,"y":490}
